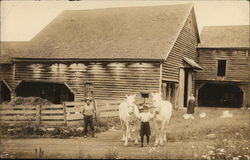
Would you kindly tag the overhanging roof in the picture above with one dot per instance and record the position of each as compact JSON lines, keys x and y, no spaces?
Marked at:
{"x":192,"y":63}
{"x":225,"y":37}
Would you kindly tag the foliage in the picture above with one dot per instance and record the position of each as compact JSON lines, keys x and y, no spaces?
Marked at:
{"x":111,"y":154}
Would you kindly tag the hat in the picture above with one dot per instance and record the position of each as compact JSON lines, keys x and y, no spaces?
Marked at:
{"x":145,"y":108}
{"x":87,"y":98}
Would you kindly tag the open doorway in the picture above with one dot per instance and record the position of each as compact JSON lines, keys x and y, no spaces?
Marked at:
{"x":220,"y":95}
{"x":5,"y":93}
{"x":54,"y":92}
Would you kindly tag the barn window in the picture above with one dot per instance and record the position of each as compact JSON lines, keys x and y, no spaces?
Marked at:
{"x":144,"y":95}
{"x":221,"y":70}
{"x":89,"y":89}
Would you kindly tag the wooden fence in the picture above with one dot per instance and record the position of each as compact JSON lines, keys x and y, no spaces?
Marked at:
{"x":74,"y":115}
{"x":50,"y":115}
{"x":66,"y":114}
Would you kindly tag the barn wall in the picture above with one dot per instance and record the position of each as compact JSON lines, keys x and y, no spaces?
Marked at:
{"x":111,"y":80}
{"x":185,"y":46}
{"x":6,"y":73}
{"x":237,"y":69}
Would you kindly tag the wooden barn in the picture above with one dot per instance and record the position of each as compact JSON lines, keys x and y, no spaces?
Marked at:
{"x":107,"y":53}
{"x":224,"y":55}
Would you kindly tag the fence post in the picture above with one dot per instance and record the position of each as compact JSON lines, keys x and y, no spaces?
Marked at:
{"x":65,"y":114}
{"x":38,"y":115}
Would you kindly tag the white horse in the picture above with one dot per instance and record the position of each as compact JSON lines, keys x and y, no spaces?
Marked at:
{"x":128,"y":114}
{"x":163,"y":110}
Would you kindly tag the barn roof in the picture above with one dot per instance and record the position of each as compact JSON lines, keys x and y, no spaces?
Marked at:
{"x":225,"y":37}
{"x":9,"y":49}
{"x":115,"y":33}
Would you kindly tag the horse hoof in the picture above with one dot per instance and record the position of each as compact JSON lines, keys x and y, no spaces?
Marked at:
{"x":125,"y":145}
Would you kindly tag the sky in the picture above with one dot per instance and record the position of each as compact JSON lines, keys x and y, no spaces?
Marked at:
{"x":22,"y":20}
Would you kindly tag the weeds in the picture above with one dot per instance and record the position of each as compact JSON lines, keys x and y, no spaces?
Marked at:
{"x":225,"y":149}
{"x":111,"y":154}
{"x":84,"y":155}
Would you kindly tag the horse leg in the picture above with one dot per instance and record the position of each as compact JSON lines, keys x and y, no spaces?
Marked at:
{"x":129,"y":134}
{"x":137,"y":134}
{"x":124,"y":130}
{"x":165,"y":131}
{"x":165,"y":135}
{"x":162,"y":132}
{"x":156,"y":134}
{"x":126,"y":134}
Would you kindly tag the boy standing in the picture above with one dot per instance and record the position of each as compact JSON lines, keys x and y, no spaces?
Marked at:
{"x":145,"y":117}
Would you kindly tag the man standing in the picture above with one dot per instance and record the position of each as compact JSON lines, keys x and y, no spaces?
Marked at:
{"x":89,"y":111}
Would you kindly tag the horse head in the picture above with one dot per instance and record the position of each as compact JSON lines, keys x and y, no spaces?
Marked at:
{"x":130,"y":99}
{"x":157,"y":99}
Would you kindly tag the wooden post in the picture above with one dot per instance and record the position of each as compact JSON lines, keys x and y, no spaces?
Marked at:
{"x":169,"y":92}
{"x":160,"y":80}
{"x":246,"y":95}
{"x":164,"y":88}
{"x":197,"y":88}
{"x":38,"y":115}
{"x":176,"y":96}
{"x":173,"y":93}
{"x":181,"y":89}
{"x":65,"y":114}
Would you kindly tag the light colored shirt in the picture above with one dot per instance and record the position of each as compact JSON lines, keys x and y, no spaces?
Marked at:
{"x":145,"y":116}
{"x":89,"y":110}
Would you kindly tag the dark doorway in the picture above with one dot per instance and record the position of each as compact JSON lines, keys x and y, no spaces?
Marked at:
{"x":185,"y":88}
{"x":220,"y":95}
{"x":53,"y":92}
{"x":4,"y":92}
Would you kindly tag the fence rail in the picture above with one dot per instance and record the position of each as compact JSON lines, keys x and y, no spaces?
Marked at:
{"x":66,"y":114}
{"x":35,"y":115}
{"x":73,"y":111}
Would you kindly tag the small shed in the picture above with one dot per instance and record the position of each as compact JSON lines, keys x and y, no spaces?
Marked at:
{"x":109,"y":53}
{"x":224,"y":55}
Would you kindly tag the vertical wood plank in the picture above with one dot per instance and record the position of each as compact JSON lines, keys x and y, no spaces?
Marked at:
{"x":38,"y":115}
{"x":64,"y":112}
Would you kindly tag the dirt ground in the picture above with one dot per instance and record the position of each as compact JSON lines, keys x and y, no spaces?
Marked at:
{"x":200,"y":138}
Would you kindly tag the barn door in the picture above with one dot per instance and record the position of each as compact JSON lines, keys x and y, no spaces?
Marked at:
{"x":187,"y":85}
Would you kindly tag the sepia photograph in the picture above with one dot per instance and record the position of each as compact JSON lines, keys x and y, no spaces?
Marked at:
{"x":135,"y":79}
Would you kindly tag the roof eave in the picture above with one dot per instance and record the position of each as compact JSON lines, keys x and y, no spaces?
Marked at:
{"x":213,"y":47}
{"x":86,"y":60}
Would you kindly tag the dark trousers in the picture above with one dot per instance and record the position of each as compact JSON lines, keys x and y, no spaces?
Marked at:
{"x":88,"y":121}
{"x":145,"y":131}
{"x":142,"y":140}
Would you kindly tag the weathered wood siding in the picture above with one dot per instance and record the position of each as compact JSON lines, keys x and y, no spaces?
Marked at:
{"x":237,"y":67}
{"x":185,"y":46}
{"x":6,"y":73}
{"x":111,"y":80}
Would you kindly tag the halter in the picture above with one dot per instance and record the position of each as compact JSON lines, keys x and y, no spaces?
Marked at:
{"x":132,"y":111}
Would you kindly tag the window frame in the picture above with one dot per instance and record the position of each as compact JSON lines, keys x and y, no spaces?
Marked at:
{"x":217,"y":68}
